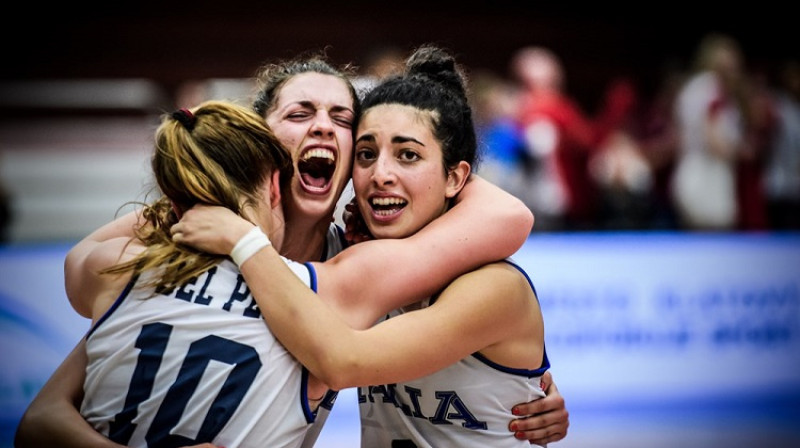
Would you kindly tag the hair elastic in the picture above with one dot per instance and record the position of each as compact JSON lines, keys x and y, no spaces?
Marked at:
{"x":186,"y":117}
{"x":175,"y":209}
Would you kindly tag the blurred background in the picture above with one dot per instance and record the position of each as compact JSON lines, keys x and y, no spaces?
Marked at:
{"x":670,"y":287}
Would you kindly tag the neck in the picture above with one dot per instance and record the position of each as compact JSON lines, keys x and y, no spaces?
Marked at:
{"x":305,"y":242}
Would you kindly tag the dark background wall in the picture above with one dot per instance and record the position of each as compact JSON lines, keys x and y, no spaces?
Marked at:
{"x":174,"y":41}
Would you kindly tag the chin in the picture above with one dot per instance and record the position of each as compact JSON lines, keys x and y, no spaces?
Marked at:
{"x":388,"y":232}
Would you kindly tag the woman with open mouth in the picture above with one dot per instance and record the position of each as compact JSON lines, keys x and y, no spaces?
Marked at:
{"x":312,"y":108}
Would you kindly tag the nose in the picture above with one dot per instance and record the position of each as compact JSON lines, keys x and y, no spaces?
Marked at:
{"x":322,"y":126}
{"x":383,"y":171}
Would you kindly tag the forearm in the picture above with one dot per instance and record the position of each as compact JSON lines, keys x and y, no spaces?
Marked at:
{"x":493,"y":223}
{"x":285,"y":301}
{"x":291,"y":308}
{"x":58,"y":425}
{"x":486,"y":225}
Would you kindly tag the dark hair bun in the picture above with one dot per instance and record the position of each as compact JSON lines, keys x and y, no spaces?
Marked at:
{"x":436,"y":64}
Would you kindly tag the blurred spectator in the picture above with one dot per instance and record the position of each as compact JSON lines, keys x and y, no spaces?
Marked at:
{"x":379,"y":62}
{"x":759,"y":120}
{"x":503,"y":158}
{"x":191,"y":93}
{"x":782,"y":177}
{"x":710,"y":114}
{"x":618,"y":166}
{"x":559,"y":139}
{"x":658,"y":139}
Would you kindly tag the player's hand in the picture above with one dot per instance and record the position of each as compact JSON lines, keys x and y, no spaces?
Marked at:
{"x":211,"y":229}
{"x":355,"y":229}
{"x":547,"y":418}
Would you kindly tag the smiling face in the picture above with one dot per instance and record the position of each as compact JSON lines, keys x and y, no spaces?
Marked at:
{"x":398,"y":175}
{"x":313,"y":117}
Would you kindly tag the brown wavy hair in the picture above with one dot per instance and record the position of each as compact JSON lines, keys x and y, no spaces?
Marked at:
{"x":218,"y":153}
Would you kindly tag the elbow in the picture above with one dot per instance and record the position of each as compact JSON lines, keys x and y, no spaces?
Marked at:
{"x":337,"y":382}
{"x":32,"y":421}
{"x":340,"y":373}
{"x":21,"y":437}
{"x":524,"y":219}
{"x":528,"y":218}
{"x":521,"y":227}
{"x":71,"y":287}
{"x":78,"y":305}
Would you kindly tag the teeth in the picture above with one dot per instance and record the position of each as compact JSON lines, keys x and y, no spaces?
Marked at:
{"x":387,"y":201}
{"x":319,"y":153}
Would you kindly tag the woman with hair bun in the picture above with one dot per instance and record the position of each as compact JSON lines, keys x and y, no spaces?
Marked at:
{"x":442,"y":371}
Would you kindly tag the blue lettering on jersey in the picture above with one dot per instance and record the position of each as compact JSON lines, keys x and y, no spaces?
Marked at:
{"x":188,"y":294}
{"x":241,"y":293}
{"x":329,"y":399}
{"x":450,"y":407}
{"x":448,"y":400}
{"x":152,"y":342}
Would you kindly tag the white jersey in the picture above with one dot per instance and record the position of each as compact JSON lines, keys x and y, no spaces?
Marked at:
{"x":195,"y":364}
{"x":467,"y":404}
{"x":335,"y":244}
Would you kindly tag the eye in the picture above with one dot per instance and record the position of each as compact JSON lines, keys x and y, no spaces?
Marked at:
{"x":343,"y":120}
{"x":408,"y":155}
{"x":298,"y":115}
{"x":364,"y":154}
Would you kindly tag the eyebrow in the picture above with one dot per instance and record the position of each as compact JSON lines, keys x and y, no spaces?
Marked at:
{"x":397,"y":139}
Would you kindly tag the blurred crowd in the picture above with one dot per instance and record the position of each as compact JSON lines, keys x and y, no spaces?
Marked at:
{"x":716,"y":147}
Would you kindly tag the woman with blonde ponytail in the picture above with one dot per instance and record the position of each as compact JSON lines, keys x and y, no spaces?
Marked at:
{"x":178,"y":354}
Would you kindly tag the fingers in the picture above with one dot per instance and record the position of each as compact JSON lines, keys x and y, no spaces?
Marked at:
{"x":551,"y":426}
{"x":544,"y":441}
{"x":547,"y":418}
{"x":547,"y":380}
{"x":177,"y":233}
{"x":542,"y":436}
{"x":553,"y":401}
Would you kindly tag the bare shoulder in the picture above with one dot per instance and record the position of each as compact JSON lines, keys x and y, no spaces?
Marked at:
{"x":499,"y":280}
{"x":502,"y":272}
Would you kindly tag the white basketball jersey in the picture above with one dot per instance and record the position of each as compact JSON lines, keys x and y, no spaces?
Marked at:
{"x":335,"y":244}
{"x":467,"y":404}
{"x":195,"y":364}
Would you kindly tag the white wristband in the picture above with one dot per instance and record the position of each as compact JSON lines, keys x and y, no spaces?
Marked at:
{"x":252,"y":242}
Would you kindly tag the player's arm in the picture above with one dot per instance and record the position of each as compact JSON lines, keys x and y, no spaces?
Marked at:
{"x":485,"y":225}
{"x":52,"y":419}
{"x":75,"y":264}
{"x":464,"y":319}
{"x":547,"y":418}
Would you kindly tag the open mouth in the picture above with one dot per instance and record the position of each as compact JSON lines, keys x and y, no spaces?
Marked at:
{"x":387,"y":206}
{"x":316,"y":168}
